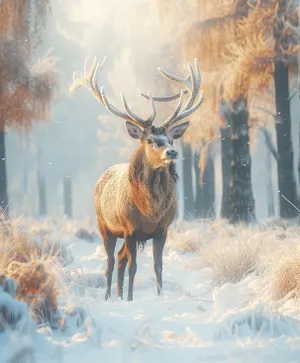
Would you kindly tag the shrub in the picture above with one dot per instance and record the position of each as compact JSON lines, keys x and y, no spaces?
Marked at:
{"x":232,"y":259}
{"x":34,"y":267}
{"x":284,"y":272}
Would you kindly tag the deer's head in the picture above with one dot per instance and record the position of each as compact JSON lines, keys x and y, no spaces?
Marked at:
{"x":157,"y":141}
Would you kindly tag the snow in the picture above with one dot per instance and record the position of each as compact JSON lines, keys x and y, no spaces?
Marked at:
{"x":195,"y":320}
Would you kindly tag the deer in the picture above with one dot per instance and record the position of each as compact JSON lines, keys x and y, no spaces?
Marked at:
{"x":137,"y":201}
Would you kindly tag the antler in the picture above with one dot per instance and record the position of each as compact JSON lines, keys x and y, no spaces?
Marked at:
{"x":191,"y":85}
{"x":89,"y":81}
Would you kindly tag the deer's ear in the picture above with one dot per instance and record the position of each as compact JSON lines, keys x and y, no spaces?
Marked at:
{"x":177,"y":131}
{"x":134,"y":131}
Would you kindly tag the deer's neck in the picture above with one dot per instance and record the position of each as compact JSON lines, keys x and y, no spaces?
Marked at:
{"x":151,"y":188}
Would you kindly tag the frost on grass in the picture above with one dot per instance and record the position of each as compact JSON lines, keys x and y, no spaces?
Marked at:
{"x":23,"y":354}
{"x":37,"y":287}
{"x":16,"y":245}
{"x":232,"y":259}
{"x":35,"y":269}
{"x":11,"y":310}
{"x":86,"y":235}
{"x":257,"y":322}
{"x":16,"y":324}
{"x":83,"y":283}
{"x":269,"y":249}
{"x":59,"y":226}
{"x":284,"y":272}
{"x":231,"y":252}
{"x":190,"y":236}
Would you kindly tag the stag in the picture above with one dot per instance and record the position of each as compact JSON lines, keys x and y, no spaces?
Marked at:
{"x":137,"y":201}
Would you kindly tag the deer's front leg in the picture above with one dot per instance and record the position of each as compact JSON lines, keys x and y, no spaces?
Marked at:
{"x":131,"y":250}
{"x":110,"y":245}
{"x":158,"y":246}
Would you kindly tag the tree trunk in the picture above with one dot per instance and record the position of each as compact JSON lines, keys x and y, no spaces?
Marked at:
{"x":198,"y":206}
{"x":68,"y":196}
{"x":178,"y":196}
{"x":3,"y":176}
{"x":242,"y":205}
{"x":205,"y":191}
{"x":285,"y":165}
{"x":269,"y":185}
{"x":226,"y":149}
{"x":25,"y":181}
{"x":187,"y":181}
{"x":42,"y":195}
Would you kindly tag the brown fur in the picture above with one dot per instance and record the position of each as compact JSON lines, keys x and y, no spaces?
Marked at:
{"x":135,"y":197}
{"x":137,"y":202}
{"x":140,"y":195}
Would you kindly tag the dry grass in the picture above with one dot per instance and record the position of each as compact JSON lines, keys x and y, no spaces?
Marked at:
{"x":16,"y":245}
{"x":270,"y":249}
{"x":284,"y":272}
{"x":54,"y":227}
{"x":231,"y":261}
{"x":37,"y":287}
{"x":83,"y":283}
{"x":34,"y":266}
{"x":231,"y":252}
{"x":191,"y":236}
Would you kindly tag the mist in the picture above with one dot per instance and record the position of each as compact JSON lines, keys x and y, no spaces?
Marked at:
{"x":81,"y":139}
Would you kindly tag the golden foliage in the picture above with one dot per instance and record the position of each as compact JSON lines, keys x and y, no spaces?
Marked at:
{"x":24,"y":20}
{"x":236,"y":39}
{"x":209,"y":40}
{"x":25,"y":92}
{"x":251,"y":60}
{"x":235,"y":44}
{"x":251,"y":66}
{"x":202,"y":129}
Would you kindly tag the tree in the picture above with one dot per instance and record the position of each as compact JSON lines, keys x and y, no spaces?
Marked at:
{"x":270,"y":151}
{"x":267,"y":58}
{"x":188,"y":195}
{"x":286,"y":177}
{"x":257,"y":59}
{"x":226,"y":155}
{"x":213,"y":28}
{"x":25,"y":92}
{"x":204,"y":204}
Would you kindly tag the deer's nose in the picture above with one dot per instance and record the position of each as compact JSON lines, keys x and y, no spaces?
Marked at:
{"x":172,"y":154}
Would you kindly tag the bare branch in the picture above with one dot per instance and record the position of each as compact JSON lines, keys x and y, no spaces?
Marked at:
{"x":265,"y":110}
{"x":269,"y":142}
{"x":294,"y":29}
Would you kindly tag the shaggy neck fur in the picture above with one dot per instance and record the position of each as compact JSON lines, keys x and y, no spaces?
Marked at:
{"x":151,"y":189}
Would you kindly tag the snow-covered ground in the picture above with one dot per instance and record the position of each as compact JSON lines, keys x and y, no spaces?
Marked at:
{"x":218,"y":303}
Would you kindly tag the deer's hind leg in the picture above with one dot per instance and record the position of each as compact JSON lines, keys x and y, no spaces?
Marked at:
{"x":110,"y":245}
{"x":131,"y":250}
{"x":122,"y":263}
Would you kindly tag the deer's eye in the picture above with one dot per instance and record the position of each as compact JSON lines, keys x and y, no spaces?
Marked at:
{"x":149,"y":141}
